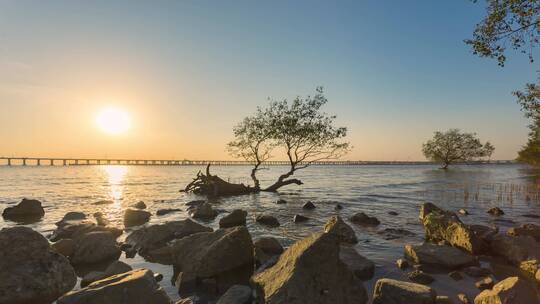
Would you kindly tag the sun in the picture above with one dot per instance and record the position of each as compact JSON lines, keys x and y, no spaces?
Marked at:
{"x":113,"y":121}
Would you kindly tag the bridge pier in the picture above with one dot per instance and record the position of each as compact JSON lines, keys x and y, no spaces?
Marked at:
{"x":9,"y":161}
{"x":39,"y":162}
{"x":64,"y":162}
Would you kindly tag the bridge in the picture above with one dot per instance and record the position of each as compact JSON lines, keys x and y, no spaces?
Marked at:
{"x":52,"y":161}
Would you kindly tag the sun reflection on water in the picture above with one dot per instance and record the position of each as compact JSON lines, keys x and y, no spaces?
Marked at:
{"x":115,"y":178}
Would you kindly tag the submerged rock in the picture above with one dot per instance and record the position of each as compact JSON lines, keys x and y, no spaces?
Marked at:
{"x":495,"y":211}
{"x":420,"y":277}
{"x":309,"y":205}
{"x":362,"y":268}
{"x":298,"y":218}
{"x":531,"y":230}
{"x":393,"y":233}
{"x":71,"y":216}
{"x":236,"y":218}
{"x":476,"y":272}
{"x":338,"y":227}
{"x":310,"y":271}
{"x":388,"y":291}
{"x":103,"y":202}
{"x":237,"y":294}
{"x":267,"y":220}
{"x":167,"y":211}
{"x":281,"y":201}
{"x":135,"y":217}
{"x":134,"y":287}
{"x":28,"y":210}
{"x":364,"y":220}
{"x":202,"y":211}
{"x":439,"y":255}
{"x":30,"y":272}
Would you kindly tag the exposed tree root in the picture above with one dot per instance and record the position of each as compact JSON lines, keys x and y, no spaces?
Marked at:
{"x":213,"y":185}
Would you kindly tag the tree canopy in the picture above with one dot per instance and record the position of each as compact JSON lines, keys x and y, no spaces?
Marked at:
{"x":455,"y":146}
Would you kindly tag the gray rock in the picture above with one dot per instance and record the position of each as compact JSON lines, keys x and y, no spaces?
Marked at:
{"x":509,"y":290}
{"x":364,"y":220}
{"x":420,"y":277}
{"x":95,"y":247}
{"x":402,"y":264}
{"x":516,"y":249}
{"x":167,"y":211}
{"x":339,"y":228}
{"x":310,"y":271}
{"x":65,"y":247}
{"x":309,"y":205}
{"x":281,"y":201}
{"x":496,"y":211}
{"x":134,"y":287}
{"x":30,"y":272}
{"x":135,"y":217}
{"x":236,"y":218}
{"x":28,"y":210}
{"x":531,"y":230}
{"x":298,"y":218}
{"x":267,"y":220}
{"x":456,"y":275}
{"x":362,"y":268}
{"x":476,"y":272}
{"x":114,"y":268}
{"x":77,"y":228}
{"x":237,"y":294}
{"x":388,"y":291}
{"x":203,"y":211}
{"x":265,"y":249}
{"x":439,"y":255}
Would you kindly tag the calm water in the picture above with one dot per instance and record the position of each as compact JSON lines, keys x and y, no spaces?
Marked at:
{"x":374,"y":190}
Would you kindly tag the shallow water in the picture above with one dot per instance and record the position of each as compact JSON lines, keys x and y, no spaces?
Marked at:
{"x":374,"y":190}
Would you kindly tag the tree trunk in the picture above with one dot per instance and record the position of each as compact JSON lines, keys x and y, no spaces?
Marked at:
{"x":283,"y":182}
{"x":213,"y":185}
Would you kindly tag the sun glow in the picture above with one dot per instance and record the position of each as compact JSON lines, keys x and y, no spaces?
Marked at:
{"x":113,"y":121}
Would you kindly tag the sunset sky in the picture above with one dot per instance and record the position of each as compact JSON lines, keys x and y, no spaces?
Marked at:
{"x":185,"y":72}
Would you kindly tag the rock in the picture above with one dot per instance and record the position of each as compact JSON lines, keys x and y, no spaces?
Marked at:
{"x":531,"y":268}
{"x":364,"y":220}
{"x":439,"y":255}
{"x":531,"y":230}
{"x":71,"y":216}
{"x":296,"y":279}
{"x":30,"y":272}
{"x":485,"y":283}
{"x":185,"y":301}
{"x":203,"y":211}
{"x":420,"y":277}
{"x":158,"y":277}
{"x":338,"y":207}
{"x":456,"y":275}
{"x":298,"y":218}
{"x":266,"y":248}
{"x":463,"y":298}
{"x":388,"y":291}
{"x":195,"y":203}
{"x":78,"y":228}
{"x":103,"y":202}
{"x":101,"y":220}
{"x":134,"y":217}
{"x":95,"y":247}
{"x":225,"y":256}
{"x":496,"y":211}
{"x":485,"y":233}
{"x":342,"y":230}
{"x":463,"y":211}
{"x":476,"y":272}
{"x":28,"y":210}
{"x":139,"y":205}
{"x":281,"y":201}
{"x":309,"y":205}
{"x":167,"y":211}
{"x":362,"y":268}
{"x":236,"y":218}
{"x":134,"y":287}
{"x":114,"y":268}
{"x":267,"y":220}
{"x":402,"y":264}
{"x":441,"y":225}
{"x":153,"y":237}
{"x":65,"y":247}
{"x":516,"y":249}
{"x":237,"y":294}
{"x":443,"y":300}
{"x":509,"y":290}
{"x":393,"y":233}
{"x":393,"y":213}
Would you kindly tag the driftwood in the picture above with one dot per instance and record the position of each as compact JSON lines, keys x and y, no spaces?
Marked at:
{"x":213,"y":185}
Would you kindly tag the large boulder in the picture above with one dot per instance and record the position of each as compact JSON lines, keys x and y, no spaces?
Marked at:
{"x":509,"y":290}
{"x":30,"y":272}
{"x":388,"y":291}
{"x":236,"y":218}
{"x":224,"y":257}
{"x":237,"y":294}
{"x":343,"y":231}
{"x":359,"y":265}
{"x":531,"y":230}
{"x":439,"y":255}
{"x":266,"y":248}
{"x":310,"y":271}
{"x":516,"y":249}
{"x":135,"y":217}
{"x":442,"y":225}
{"x":134,"y":287}
{"x":95,"y":247}
{"x":26,"y":210}
{"x":153,"y":237}
{"x":65,"y":247}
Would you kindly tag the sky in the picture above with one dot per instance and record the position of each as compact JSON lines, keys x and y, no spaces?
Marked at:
{"x":187,"y":71}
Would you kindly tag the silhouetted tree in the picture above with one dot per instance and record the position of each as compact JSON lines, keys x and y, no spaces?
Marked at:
{"x":454,"y":146}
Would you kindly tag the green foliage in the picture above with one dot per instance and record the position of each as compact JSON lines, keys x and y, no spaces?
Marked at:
{"x":530,"y":153}
{"x":454,"y":146}
{"x":508,"y":23}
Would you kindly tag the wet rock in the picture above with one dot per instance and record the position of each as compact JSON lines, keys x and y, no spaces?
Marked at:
{"x":342,"y":230}
{"x":134,"y":217}
{"x":167,"y":211}
{"x":402,"y":264}
{"x":203,"y":211}
{"x":439,"y":255}
{"x":237,"y":294}
{"x":484,"y":233}
{"x":364,"y":220}
{"x":362,"y":268}
{"x":393,"y":233}
{"x":296,"y":279}
{"x":509,"y":290}
{"x":139,"y":205}
{"x":298,"y":218}
{"x":95,"y":247}
{"x":137,"y":286}
{"x":266,"y":248}
{"x":28,"y":210}
{"x":476,"y":272}
{"x":338,"y":207}
{"x":114,"y":268}
{"x":309,"y":205}
{"x":463,"y":211}
{"x":30,"y":272}
{"x":236,"y":218}
{"x":485,"y":283}
{"x":388,"y":291}
{"x":516,"y":249}
{"x":456,"y":275}
{"x":267,"y":220}
{"x":158,"y":277}
{"x":443,"y":300}
{"x":441,"y":225}
{"x":185,"y":301}
{"x":225,"y":256}
{"x":77,"y":228}
{"x":531,"y":268}
{"x":420,"y":277}
{"x":393,"y":213}
{"x":153,"y":237}
{"x":531,"y":230}
{"x":101,"y":220}
{"x":195,"y":203}
{"x":281,"y":201}
{"x":103,"y":202}
{"x":463,"y":298}
{"x":496,"y":211}
{"x":65,"y":247}
{"x":71,"y":216}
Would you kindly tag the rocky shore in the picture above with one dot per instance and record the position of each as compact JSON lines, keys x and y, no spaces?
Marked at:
{"x":228,"y":265}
